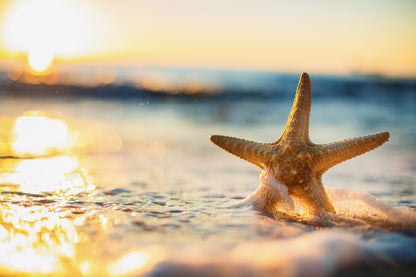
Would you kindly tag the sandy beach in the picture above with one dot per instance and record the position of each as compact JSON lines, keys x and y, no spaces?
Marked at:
{"x":133,"y":187}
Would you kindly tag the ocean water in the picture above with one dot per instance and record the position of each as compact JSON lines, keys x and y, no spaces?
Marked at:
{"x":132,"y":186}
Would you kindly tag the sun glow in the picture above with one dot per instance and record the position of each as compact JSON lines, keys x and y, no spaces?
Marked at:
{"x":137,"y":262}
{"x":129,"y":263}
{"x":39,"y":134}
{"x":33,"y":239}
{"x":40,"y":59}
{"x":38,"y":235}
{"x":57,"y":175}
{"x":46,"y":29}
{"x":34,"y":136}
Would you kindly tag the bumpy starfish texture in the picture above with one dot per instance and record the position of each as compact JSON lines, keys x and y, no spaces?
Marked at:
{"x":293,"y":160}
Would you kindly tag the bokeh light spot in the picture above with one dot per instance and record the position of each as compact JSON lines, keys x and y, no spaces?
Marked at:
{"x":39,"y":134}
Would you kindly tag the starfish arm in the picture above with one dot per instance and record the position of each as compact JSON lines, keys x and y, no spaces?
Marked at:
{"x":253,"y":152}
{"x":297,"y":126}
{"x":320,"y":198}
{"x":337,"y":152}
{"x":313,"y":196}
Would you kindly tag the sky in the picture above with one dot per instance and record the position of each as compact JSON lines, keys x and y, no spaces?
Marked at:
{"x":320,"y":36}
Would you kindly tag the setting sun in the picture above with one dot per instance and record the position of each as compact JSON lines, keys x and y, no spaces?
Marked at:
{"x":46,"y":29}
{"x":276,"y":35}
{"x":40,"y":59}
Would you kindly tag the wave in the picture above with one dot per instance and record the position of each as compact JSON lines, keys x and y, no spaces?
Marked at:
{"x":322,"y":253}
{"x":368,"y":209}
{"x":353,"y":209}
{"x":226,"y":86}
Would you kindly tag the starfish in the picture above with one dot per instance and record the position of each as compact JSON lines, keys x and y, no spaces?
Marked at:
{"x":294,"y":161}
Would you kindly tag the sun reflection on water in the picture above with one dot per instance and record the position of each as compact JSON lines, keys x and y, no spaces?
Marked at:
{"x":45,"y":227}
{"x":129,"y":263}
{"x":57,"y":174}
{"x":35,"y":237}
{"x":37,"y":134}
{"x":44,"y":140}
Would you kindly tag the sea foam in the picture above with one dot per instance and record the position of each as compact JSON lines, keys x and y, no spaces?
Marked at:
{"x":353,"y":209}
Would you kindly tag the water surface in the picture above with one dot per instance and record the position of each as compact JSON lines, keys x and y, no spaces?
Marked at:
{"x":126,"y":186}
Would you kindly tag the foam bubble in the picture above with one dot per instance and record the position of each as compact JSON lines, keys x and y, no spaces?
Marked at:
{"x":353,"y":209}
{"x":370,"y":210}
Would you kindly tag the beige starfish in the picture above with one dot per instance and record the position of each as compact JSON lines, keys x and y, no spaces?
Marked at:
{"x":294,"y":161}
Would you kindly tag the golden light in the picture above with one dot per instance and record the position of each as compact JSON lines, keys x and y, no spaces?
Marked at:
{"x":34,"y":239}
{"x":39,"y":134}
{"x":129,"y":263}
{"x":40,"y":239}
{"x":85,"y":268}
{"x":106,"y":76}
{"x":35,"y":134}
{"x":40,"y":59}
{"x":45,"y":29}
{"x":47,"y":175}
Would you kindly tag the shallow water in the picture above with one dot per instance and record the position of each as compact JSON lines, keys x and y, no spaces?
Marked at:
{"x":138,"y":189}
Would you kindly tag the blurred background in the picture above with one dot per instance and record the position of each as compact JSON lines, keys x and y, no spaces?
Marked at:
{"x":100,"y":42}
